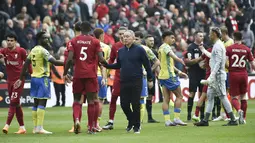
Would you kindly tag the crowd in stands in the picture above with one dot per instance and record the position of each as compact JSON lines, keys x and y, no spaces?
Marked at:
{"x":26,"y":17}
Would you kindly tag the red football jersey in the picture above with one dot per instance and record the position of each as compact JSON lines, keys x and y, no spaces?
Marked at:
{"x":14,"y":60}
{"x":114,"y":56}
{"x":86,"y":49}
{"x":207,"y":60}
{"x":238,"y":54}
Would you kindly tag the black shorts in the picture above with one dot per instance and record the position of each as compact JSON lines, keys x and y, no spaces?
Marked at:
{"x":194,"y":83}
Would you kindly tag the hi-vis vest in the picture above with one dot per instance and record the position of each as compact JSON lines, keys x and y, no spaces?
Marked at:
{"x":60,"y":70}
{"x":111,"y":77}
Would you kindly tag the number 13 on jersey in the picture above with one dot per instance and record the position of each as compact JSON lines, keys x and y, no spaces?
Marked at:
{"x":83,"y":53}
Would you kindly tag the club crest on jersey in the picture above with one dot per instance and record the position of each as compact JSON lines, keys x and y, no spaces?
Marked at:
{"x":16,"y":56}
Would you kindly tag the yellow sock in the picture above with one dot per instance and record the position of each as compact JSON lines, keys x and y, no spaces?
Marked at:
{"x":177,"y":112}
{"x":176,"y":115}
{"x":40,"y":116}
{"x":142,"y":109}
{"x":171,"y":103}
{"x":166,"y":115}
{"x":34,"y":117}
{"x":98,"y":119}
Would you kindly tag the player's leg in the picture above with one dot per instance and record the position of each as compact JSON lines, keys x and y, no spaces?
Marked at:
{"x":91,"y":87}
{"x":57,"y":93}
{"x":177,"y":105}
{"x":40,"y":116}
{"x":12,"y":108}
{"x":165,"y":106}
{"x":34,"y":114}
{"x":112,"y":107}
{"x":149,"y":108}
{"x":193,"y":82}
{"x":78,"y":89}
{"x":144,"y":94}
{"x":200,"y":104}
{"x":19,"y":111}
{"x":202,"y":107}
{"x":243,"y":98}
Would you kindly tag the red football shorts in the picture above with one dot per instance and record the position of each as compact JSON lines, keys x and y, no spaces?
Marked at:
{"x":85,"y":85}
{"x":116,"y":87}
{"x":14,"y":94}
{"x":238,"y":84}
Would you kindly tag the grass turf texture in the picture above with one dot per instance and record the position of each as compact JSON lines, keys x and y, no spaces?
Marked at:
{"x":59,"y":120}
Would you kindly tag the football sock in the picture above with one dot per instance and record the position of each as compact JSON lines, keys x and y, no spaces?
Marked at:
{"x":112,"y":107}
{"x":166,"y":114}
{"x":76,"y":110}
{"x":40,"y":115}
{"x":11,"y":113}
{"x":34,"y":116}
{"x":96,"y":114}
{"x":91,"y":115}
{"x":19,"y":115}
{"x":197,"y":111}
{"x":149,"y":109}
{"x":80,"y":113}
{"x":244,"y":107}
{"x":142,"y":110}
{"x":202,"y":111}
{"x":236,"y":104}
{"x":190,"y":105}
{"x":177,"y":112}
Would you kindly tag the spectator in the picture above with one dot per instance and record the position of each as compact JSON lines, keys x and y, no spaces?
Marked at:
{"x":31,"y":9}
{"x":69,"y":31}
{"x":102,"y":9}
{"x":103,"y":24}
{"x":9,"y":8}
{"x":248,"y":36}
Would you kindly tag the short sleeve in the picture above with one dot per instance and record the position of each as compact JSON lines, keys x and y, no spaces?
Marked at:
{"x":23,"y":54}
{"x":46,"y":54}
{"x":151,"y":55}
{"x":70,"y":45}
{"x":97,"y":46}
{"x":167,"y":49}
{"x":249,"y":55}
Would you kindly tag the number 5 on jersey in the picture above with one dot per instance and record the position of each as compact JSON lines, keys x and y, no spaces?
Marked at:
{"x":83,"y":56}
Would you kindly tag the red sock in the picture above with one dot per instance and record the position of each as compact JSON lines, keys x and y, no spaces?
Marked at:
{"x":91,"y":115}
{"x":76,"y":110}
{"x":113,"y":107}
{"x":226,"y":112}
{"x":197,"y":111}
{"x":236,"y":104}
{"x":11,"y":112}
{"x":19,"y":116}
{"x":80,"y":113}
{"x":244,"y":107}
{"x":96,"y":104}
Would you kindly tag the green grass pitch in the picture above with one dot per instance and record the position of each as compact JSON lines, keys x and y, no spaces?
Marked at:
{"x":59,"y":121}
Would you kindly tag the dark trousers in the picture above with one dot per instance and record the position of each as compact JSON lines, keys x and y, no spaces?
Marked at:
{"x":130,"y":93}
{"x":60,"y":88}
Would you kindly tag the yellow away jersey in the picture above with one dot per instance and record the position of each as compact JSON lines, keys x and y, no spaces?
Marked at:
{"x":106,"y":50}
{"x":149,"y":53}
{"x":166,"y":62}
{"x":39,"y":57}
{"x":227,"y":44}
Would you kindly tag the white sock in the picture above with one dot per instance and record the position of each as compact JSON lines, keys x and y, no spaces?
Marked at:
{"x":6,"y":125}
{"x":22,"y":127}
{"x":111,"y":121}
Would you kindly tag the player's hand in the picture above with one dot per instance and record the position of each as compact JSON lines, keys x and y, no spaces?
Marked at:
{"x":150,"y":84}
{"x":17,"y":84}
{"x":1,"y":75}
{"x":103,"y":82}
{"x":184,"y":75}
{"x":67,"y":78}
{"x":204,"y":82}
{"x":182,"y":62}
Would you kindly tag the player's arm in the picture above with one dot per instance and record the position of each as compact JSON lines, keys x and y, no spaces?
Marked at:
{"x":146,"y":64}
{"x":203,"y":50}
{"x":112,"y":55}
{"x":1,"y":75}
{"x":188,"y":58}
{"x":180,"y":73}
{"x":54,"y":70}
{"x":25,"y":67}
{"x":217,"y":63}
{"x":154,"y":59}
{"x":170,"y":53}
{"x":252,"y":64}
{"x":116,"y":65}
{"x":69,"y":62}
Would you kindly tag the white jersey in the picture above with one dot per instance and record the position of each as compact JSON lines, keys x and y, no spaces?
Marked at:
{"x":218,"y":60}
